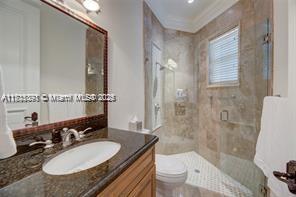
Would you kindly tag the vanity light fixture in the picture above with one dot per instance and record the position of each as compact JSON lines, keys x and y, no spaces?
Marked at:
{"x":91,"y":5}
{"x":190,"y":1}
{"x":88,"y":5}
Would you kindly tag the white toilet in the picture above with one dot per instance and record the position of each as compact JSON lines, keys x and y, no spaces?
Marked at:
{"x":171,"y":174}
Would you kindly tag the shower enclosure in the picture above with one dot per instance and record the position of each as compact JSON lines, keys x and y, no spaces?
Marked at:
{"x":238,"y":135}
{"x":213,"y":128}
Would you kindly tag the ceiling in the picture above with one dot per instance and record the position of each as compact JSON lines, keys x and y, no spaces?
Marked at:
{"x":180,"y":15}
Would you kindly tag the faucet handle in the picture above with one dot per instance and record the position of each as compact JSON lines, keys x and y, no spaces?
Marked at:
{"x":82,"y":133}
{"x":65,"y":130}
{"x":48,"y":144}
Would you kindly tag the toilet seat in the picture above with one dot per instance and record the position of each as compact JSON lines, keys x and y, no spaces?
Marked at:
{"x":170,"y":170}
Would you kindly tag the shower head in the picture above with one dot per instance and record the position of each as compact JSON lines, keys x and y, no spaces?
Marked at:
{"x":162,"y":68}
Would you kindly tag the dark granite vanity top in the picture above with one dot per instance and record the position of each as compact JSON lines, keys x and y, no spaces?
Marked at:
{"x":22,"y":174}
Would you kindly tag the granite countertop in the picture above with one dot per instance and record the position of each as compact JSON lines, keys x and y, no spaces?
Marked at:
{"x":22,"y":174}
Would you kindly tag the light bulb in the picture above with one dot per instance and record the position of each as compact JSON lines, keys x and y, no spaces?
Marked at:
{"x":91,"y":5}
{"x":190,"y":1}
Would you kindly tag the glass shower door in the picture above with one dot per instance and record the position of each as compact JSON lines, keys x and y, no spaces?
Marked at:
{"x":240,"y":130}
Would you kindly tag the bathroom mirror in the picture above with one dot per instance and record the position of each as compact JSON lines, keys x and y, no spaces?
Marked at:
{"x":49,"y":51}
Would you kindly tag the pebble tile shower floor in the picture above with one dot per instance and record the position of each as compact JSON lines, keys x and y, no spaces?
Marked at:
{"x":203,"y":175}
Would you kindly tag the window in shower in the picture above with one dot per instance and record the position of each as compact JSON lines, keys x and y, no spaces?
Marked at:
{"x":224,"y":59}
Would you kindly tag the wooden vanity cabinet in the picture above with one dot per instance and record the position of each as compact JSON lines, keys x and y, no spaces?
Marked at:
{"x":139,"y":180}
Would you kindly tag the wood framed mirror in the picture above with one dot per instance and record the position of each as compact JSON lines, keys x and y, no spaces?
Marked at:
{"x":51,"y":50}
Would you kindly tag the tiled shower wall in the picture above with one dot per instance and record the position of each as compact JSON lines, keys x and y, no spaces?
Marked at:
{"x":228,"y":145}
{"x":231,"y":144}
{"x":153,"y":34}
{"x":237,"y":136}
{"x":94,"y":82}
{"x":178,"y":130}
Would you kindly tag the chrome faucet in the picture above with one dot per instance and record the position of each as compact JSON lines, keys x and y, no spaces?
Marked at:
{"x":47,"y":143}
{"x":67,"y":136}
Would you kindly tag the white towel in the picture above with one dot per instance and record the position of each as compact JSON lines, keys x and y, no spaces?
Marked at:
{"x":276,"y":144}
{"x":7,"y":143}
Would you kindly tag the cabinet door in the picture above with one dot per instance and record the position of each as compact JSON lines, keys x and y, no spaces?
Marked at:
{"x":146,"y":187}
{"x":137,"y":176}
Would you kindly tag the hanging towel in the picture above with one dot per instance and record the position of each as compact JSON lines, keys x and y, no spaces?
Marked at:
{"x":276,"y":144}
{"x":7,"y":143}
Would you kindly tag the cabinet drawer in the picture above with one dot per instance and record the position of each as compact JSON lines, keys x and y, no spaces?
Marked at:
{"x":146,"y":187}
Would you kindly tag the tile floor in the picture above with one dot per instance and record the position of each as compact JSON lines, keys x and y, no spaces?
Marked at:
{"x":205,"y":180}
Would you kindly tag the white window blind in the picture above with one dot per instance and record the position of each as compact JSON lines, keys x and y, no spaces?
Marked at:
{"x":224,"y":59}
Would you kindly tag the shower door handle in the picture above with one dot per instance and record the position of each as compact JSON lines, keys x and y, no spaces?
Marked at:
{"x":289,"y":177}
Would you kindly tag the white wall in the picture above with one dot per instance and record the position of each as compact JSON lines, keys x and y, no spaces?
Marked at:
{"x":292,"y":49}
{"x":285,"y":48}
{"x":123,"y":19}
{"x":280,"y":47}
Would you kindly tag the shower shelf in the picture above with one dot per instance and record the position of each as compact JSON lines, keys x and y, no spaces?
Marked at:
{"x":239,"y":123}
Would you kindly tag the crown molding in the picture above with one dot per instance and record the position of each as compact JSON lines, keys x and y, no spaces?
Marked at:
{"x":181,"y":25}
{"x":157,"y":12}
{"x":212,"y":12}
{"x":191,"y":26}
{"x":168,"y":21}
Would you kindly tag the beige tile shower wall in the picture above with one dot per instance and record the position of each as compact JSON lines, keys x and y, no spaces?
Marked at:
{"x":220,"y":141}
{"x":180,"y":116}
{"x":94,"y":83}
{"x":213,"y":100}
{"x":153,"y":34}
{"x":178,"y":130}
{"x":238,"y":136}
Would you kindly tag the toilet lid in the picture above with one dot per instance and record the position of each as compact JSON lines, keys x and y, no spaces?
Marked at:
{"x":169,"y":167}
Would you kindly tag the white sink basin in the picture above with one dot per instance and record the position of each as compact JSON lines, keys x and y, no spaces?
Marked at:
{"x":81,"y":158}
